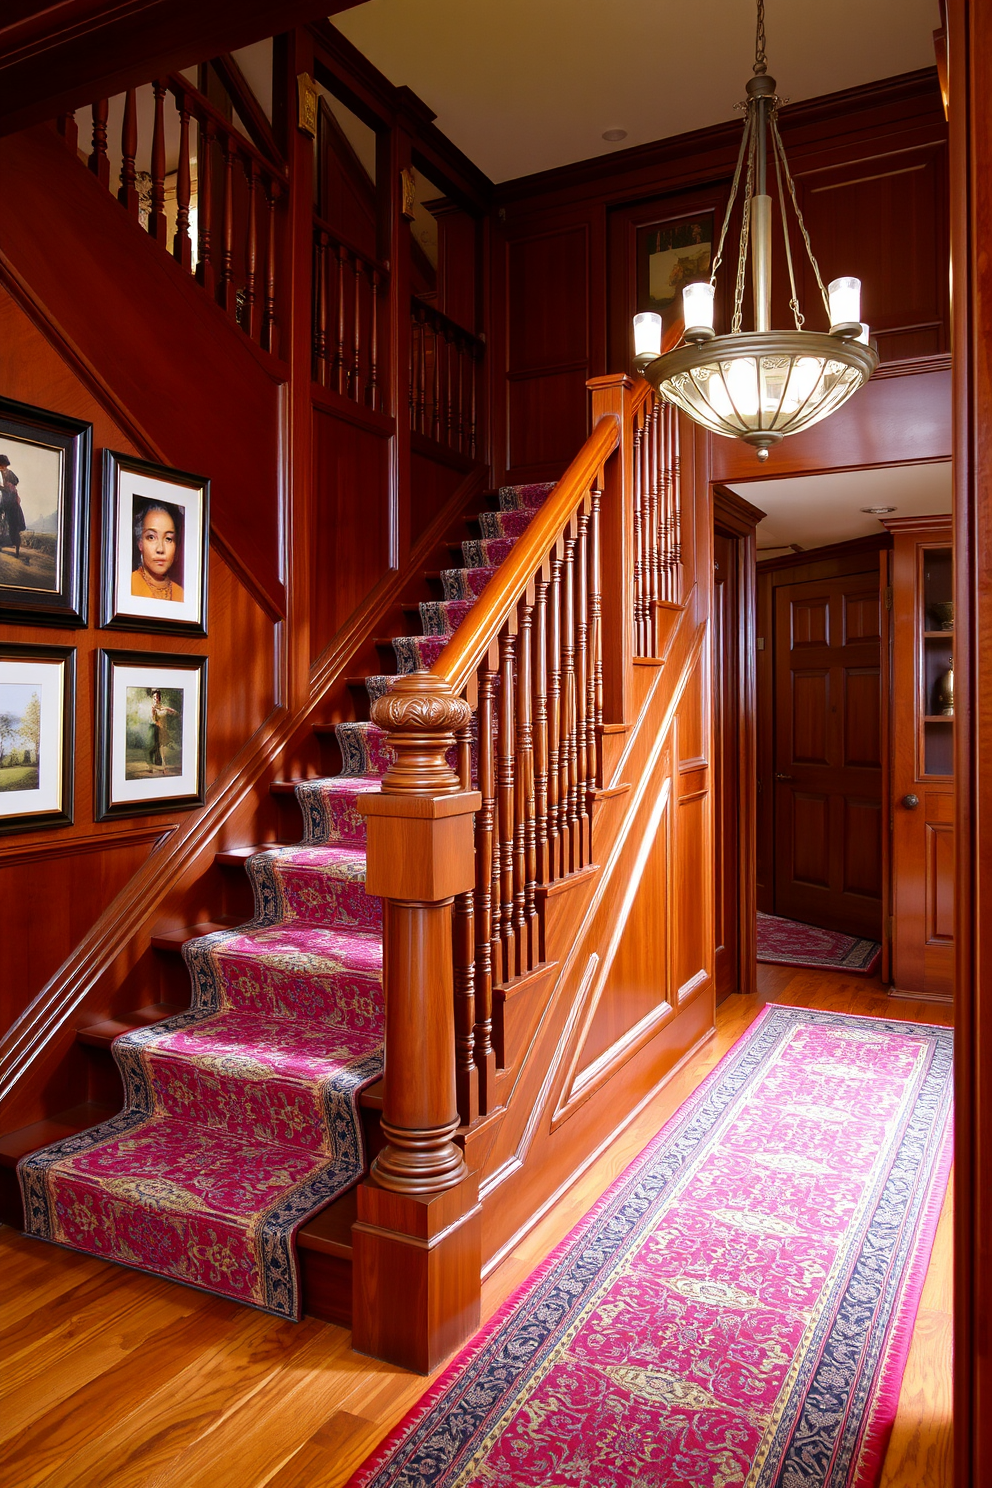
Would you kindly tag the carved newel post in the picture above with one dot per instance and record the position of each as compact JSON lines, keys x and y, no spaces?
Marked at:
{"x":417,"y":1241}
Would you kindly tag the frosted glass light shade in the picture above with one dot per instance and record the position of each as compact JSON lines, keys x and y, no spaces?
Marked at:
{"x":697,"y":305}
{"x":864,"y":334}
{"x":647,"y":334}
{"x":845,"y":301}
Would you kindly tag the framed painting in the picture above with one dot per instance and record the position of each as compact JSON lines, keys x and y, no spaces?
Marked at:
{"x":44,"y":516}
{"x":670,"y":255}
{"x":150,"y":732}
{"x":37,"y":709}
{"x":156,"y":523}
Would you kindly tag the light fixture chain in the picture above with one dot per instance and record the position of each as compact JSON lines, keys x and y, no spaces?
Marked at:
{"x":718,"y":256}
{"x":745,"y":236}
{"x":797,"y":314}
{"x":799,"y":216}
{"x":760,"y":59}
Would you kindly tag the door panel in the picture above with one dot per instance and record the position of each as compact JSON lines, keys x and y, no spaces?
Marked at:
{"x":726,"y":733}
{"x":828,"y":772}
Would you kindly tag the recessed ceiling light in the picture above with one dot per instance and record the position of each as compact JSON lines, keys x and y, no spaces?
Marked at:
{"x":614,"y":134}
{"x":878,"y":511}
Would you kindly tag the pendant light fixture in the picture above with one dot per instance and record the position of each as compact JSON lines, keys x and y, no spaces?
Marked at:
{"x":763,"y":384}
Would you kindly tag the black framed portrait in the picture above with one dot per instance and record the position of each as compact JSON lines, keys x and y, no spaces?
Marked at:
{"x":37,"y":711}
{"x":44,"y":515}
{"x":151,"y":731}
{"x":156,"y":523}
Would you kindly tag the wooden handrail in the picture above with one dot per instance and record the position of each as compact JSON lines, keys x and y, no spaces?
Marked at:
{"x":461,"y":656}
{"x":320,"y":224}
{"x":203,"y":110}
{"x":443,"y":325}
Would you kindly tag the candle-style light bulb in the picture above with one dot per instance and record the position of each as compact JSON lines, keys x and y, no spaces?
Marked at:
{"x":647,"y":334}
{"x":845,"y":302}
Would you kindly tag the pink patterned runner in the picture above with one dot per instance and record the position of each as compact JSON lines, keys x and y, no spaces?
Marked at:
{"x":737,"y":1309}
{"x":241,"y":1116}
{"x":791,"y":943}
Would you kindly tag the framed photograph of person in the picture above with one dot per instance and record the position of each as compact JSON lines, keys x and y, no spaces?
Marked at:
{"x":156,"y":523}
{"x":669,"y":256}
{"x":37,"y":709}
{"x":151,"y":730}
{"x":44,"y":516}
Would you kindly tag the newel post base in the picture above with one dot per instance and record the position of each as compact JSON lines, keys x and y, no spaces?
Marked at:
{"x":416,"y":1277}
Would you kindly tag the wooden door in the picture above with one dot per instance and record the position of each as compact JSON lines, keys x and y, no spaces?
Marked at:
{"x":922,"y":762}
{"x":827,"y":754}
{"x":726,"y":784}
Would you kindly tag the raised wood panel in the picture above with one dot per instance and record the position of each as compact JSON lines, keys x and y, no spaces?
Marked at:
{"x":863,"y":847}
{"x":810,"y":709}
{"x":810,"y":839}
{"x":810,"y":622}
{"x":883,"y":218}
{"x":547,"y":421}
{"x":862,"y":717}
{"x":548,"y":287}
{"x":351,"y":538}
{"x":940,"y":882}
{"x":434,"y":478}
{"x":693,"y":951}
{"x":862,"y":617}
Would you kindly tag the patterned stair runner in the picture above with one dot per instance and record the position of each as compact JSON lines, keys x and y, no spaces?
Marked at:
{"x":241,"y":1115}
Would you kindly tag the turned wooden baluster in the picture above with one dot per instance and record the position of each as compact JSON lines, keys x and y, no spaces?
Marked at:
{"x":339,"y":364}
{"x":249,"y":317}
{"x":463,"y":930}
{"x":542,"y":842}
{"x":422,"y":375}
{"x":639,"y":538}
{"x":374,"y":343}
{"x":269,"y":336}
{"x":205,"y":206}
{"x":127,"y":193}
{"x":417,"y":1237}
{"x":676,"y":502}
{"x":595,"y":706}
{"x":69,"y":129}
{"x":505,"y":797}
{"x":583,"y":771}
{"x":355,"y":376}
{"x":656,"y":480}
{"x":157,"y":225}
{"x":567,"y":806}
{"x":524,"y":838}
{"x":182,"y":247}
{"x":485,"y":821}
{"x":320,"y":370}
{"x":228,"y":295}
{"x":99,"y":161}
{"x":436,"y":411}
{"x":555,"y":841}
{"x":471,"y":427}
{"x":450,"y":352}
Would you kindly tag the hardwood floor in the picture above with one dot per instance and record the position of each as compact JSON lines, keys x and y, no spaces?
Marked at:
{"x":111,"y":1380}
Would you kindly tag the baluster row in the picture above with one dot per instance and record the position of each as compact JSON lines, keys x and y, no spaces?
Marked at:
{"x":657,"y":520}
{"x":348,"y":293}
{"x":538,"y":718}
{"x":245,"y":280}
{"x":444,"y":377}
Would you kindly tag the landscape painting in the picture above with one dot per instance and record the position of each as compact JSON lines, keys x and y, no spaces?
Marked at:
{"x":31,"y":498}
{"x":36,"y":717}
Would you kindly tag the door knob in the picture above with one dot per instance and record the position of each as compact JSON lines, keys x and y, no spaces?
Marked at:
{"x":783,"y":777}
{"x":911,"y":802}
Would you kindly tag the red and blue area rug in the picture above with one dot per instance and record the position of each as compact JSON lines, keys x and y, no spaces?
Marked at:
{"x":737,"y":1309}
{"x":791,"y":943}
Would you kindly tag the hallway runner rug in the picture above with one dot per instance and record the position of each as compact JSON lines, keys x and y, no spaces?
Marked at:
{"x":737,"y":1308}
{"x":789,"y":943}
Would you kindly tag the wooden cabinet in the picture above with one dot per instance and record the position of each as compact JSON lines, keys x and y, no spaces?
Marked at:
{"x":922,"y":731}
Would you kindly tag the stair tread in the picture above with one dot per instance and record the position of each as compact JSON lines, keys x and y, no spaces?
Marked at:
{"x":172,"y":940}
{"x":101,"y":1035}
{"x":17,"y":1144}
{"x":232,"y":856}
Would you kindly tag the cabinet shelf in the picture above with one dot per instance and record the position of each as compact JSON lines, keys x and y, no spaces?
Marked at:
{"x":938,"y":718}
{"x":938,"y":635}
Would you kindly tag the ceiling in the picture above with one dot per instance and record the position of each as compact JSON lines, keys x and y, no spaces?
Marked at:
{"x":526,"y":85}
{"x":814,"y":510}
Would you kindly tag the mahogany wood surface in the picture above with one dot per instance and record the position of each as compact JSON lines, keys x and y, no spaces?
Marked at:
{"x":922,"y":763}
{"x":111,"y":1380}
{"x":827,"y":764}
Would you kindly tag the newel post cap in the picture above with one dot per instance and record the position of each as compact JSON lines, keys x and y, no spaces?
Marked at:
{"x":421,"y":715}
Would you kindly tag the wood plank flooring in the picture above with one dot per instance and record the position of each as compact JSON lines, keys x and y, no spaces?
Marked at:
{"x":112,"y":1380}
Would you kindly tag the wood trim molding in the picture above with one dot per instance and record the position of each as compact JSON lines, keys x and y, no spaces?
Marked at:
{"x":70,"y":847}
{"x":120,"y":928}
{"x":870,"y":544}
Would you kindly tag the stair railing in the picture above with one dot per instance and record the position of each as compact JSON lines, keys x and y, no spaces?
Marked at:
{"x":351,"y":296}
{"x":537,"y":673}
{"x":222,"y":183}
{"x":445,"y":379}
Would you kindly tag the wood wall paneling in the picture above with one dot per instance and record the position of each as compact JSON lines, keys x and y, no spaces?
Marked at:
{"x":352,"y":517}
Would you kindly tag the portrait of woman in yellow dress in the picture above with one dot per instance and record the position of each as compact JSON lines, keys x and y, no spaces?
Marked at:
{"x":158,"y":540}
